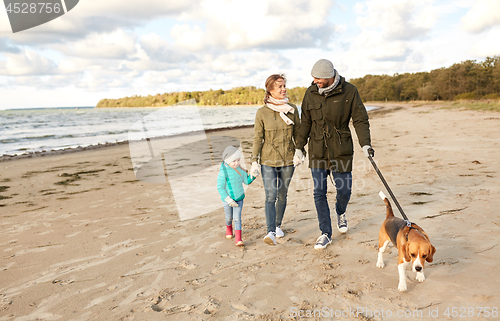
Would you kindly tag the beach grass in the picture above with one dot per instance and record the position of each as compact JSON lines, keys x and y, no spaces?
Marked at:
{"x":481,"y":105}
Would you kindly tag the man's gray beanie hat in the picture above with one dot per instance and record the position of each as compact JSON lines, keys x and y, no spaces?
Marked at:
{"x":323,"y":69}
{"x":230,"y":154}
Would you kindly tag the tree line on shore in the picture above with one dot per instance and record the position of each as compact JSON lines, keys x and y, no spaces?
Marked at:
{"x":237,"y":96}
{"x":466,"y":80}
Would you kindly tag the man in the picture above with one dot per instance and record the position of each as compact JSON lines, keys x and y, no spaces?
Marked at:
{"x":328,"y":106}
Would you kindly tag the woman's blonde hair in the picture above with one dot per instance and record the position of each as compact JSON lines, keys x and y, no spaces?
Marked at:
{"x":270,"y":81}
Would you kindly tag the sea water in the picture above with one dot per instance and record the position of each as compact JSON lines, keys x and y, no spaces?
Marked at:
{"x":34,"y":130}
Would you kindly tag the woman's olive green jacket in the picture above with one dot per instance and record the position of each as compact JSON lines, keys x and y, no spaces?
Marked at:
{"x":274,"y":140}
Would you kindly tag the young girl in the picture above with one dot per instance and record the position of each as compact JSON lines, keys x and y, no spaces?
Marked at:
{"x":230,"y":186}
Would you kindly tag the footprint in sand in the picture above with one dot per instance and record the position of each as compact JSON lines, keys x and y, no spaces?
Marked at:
{"x":329,"y":266}
{"x":161,"y":301}
{"x":162,"y":306}
{"x":211,"y":306}
{"x":187,"y":265}
{"x":351,"y":294}
{"x":327,"y":285}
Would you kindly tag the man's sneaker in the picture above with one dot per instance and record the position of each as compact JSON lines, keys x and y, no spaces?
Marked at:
{"x":342,"y":223}
{"x":270,"y":238}
{"x":322,"y":242}
{"x":279,"y":232}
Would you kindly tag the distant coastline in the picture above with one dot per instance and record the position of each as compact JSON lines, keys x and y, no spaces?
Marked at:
{"x":240,"y":96}
{"x":200,"y":106}
{"x":45,"y":108}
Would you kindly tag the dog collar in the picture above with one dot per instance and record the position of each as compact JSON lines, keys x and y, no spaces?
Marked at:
{"x":410,"y":227}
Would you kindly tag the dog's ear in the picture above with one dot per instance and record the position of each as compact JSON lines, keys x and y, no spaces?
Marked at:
{"x":406,"y":252}
{"x":430,"y":257}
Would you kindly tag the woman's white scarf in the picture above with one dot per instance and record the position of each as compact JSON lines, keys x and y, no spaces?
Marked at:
{"x":281,"y":106}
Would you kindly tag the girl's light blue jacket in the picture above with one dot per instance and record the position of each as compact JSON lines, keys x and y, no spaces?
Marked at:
{"x":230,"y":182}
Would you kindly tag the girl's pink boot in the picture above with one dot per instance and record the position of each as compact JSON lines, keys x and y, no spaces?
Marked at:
{"x":237,"y":238}
{"x":229,"y":231}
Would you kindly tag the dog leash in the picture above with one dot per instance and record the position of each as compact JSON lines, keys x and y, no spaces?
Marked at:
{"x":408,"y":223}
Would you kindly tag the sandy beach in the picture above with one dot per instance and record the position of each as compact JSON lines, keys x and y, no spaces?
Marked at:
{"x":83,"y":239}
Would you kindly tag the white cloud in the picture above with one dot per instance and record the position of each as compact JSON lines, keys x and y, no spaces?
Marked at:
{"x":162,"y":77}
{"x":398,"y":19}
{"x":69,"y":66}
{"x":489,"y":44}
{"x":188,"y":37}
{"x":117,"y":44}
{"x":27,"y":62}
{"x":236,"y":25}
{"x":213,"y":70}
{"x":375,"y":47}
{"x":159,"y":49}
{"x":390,"y":37}
{"x":133,"y":9}
{"x":246,"y":63}
{"x":96,"y":16}
{"x":484,"y":14}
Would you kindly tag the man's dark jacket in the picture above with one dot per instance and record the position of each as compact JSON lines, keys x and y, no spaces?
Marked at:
{"x":325,"y":126}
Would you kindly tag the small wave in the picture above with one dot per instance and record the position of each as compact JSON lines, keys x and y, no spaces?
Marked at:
{"x":39,"y":137}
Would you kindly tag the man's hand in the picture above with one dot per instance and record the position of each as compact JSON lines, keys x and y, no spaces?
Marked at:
{"x":298,"y":158}
{"x":231,"y":202}
{"x":368,"y":150}
{"x":255,"y":169}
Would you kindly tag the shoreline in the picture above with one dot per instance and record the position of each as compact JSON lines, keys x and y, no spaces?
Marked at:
{"x":69,"y":150}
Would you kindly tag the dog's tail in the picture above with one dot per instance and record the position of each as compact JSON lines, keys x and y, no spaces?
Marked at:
{"x":387,"y":204}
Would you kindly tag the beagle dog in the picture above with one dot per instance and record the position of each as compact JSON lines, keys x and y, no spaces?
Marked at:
{"x":411,"y":241}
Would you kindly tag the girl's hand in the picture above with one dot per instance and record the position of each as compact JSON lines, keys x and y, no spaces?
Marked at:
{"x":255,"y":169}
{"x":231,"y":202}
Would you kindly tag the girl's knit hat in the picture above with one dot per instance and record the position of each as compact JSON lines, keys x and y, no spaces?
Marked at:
{"x":230,"y":154}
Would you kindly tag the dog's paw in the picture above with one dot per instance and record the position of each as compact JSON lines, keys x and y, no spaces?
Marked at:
{"x":402,"y":286}
{"x":380,"y":264}
{"x":420,"y":277}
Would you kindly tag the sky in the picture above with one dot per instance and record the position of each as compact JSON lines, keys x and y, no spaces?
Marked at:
{"x":112,"y":49}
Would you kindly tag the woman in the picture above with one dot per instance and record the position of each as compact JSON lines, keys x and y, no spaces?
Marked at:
{"x":276,"y":128}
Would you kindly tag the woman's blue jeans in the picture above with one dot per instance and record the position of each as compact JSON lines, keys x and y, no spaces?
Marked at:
{"x":343,"y":184}
{"x":276,"y":182}
{"x":233,"y":214}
